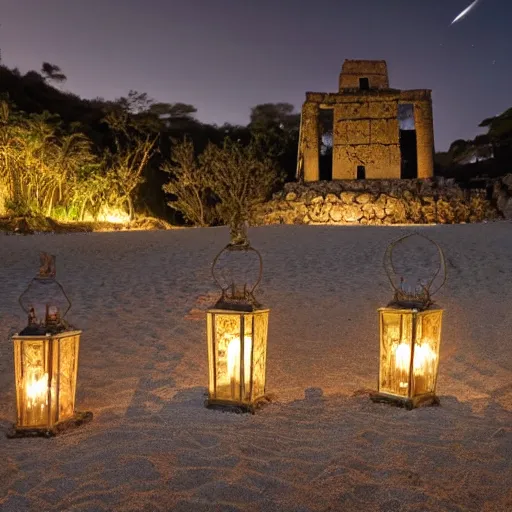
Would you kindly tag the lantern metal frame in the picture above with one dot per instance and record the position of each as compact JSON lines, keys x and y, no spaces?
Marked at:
{"x":49,"y":343}
{"x":242,"y":308}
{"x":416,"y":306}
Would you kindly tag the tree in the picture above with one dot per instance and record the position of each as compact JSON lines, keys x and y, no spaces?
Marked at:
{"x":188,"y":184}
{"x":53,"y":73}
{"x":275,"y":129}
{"x":133,"y":151}
{"x":240,"y":176}
{"x":499,"y":132}
{"x":235,"y":176}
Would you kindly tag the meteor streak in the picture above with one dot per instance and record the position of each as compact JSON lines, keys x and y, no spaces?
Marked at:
{"x":465,"y":12}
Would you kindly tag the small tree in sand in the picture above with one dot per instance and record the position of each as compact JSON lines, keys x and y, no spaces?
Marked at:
{"x":133,"y":151}
{"x":233,"y":176}
{"x":240,"y":177}
{"x":188,"y":184}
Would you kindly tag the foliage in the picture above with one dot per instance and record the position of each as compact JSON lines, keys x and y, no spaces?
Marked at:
{"x":52,"y":72}
{"x":188,"y":185}
{"x":274,"y":129}
{"x":232,"y":177}
{"x":240,"y":177}
{"x":133,"y":151}
{"x":68,"y":157}
{"x":38,"y":161}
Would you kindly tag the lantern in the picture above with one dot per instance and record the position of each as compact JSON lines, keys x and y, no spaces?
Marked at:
{"x":46,"y":360}
{"x":237,"y":328}
{"x":410,"y":334}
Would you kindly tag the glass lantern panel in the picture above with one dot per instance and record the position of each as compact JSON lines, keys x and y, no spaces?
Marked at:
{"x":248,"y":348}
{"x":259,"y":353}
{"x":67,"y":369}
{"x":395,"y":352}
{"x":426,"y":352}
{"x":211,"y":359}
{"x":228,"y":354}
{"x":32,"y":381}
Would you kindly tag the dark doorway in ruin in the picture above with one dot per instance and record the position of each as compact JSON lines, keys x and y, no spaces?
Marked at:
{"x":364,"y":84}
{"x":408,"y":153}
{"x":361,"y":172}
{"x":325,"y":122}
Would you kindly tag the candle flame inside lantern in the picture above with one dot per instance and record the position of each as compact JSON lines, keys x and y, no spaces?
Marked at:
{"x":424,"y":360}
{"x":37,"y":392}
{"x":233,"y":360}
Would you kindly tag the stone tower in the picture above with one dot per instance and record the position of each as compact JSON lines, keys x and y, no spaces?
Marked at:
{"x":366,"y":131}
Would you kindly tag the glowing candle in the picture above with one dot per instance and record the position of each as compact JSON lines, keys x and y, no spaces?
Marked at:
{"x":423,"y":364}
{"x":233,"y":360}
{"x":36,"y":393}
{"x":402,"y":363}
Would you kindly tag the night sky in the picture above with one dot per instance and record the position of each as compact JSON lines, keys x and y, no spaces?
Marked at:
{"x":224,"y":56}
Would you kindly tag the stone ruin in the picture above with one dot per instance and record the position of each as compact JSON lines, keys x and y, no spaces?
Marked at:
{"x":366,"y":129}
{"x":377,"y":202}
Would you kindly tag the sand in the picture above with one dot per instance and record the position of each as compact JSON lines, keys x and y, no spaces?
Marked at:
{"x":322,"y":445}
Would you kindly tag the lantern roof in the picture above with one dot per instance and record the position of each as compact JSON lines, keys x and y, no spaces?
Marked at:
{"x":237,"y":269}
{"x":45,"y":301}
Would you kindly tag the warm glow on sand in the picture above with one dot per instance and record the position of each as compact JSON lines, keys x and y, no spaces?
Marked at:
{"x":114,"y":216}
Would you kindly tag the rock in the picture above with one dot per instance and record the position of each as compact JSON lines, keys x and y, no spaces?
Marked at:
{"x":383,"y":202}
{"x":368,"y":211}
{"x":380,"y":212}
{"x":363,"y":198}
{"x":352,"y":213}
{"x":429,"y":213}
{"x":298,"y":207}
{"x":396,"y":211}
{"x":337,"y":212}
{"x":320,"y":212}
{"x":347,"y":197}
{"x":445,"y":214}
{"x":460,"y":210}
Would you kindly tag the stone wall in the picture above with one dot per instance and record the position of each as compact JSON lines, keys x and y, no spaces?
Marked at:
{"x":375,"y":70}
{"x":378,"y":202}
{"x":366,"y":131}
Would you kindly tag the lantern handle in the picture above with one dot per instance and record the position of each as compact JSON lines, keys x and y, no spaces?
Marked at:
{"x":388,"y":258}
{"x":45,"y":279}
{"x":236,"y":247}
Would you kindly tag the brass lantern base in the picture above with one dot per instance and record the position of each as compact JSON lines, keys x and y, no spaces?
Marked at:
{"x":77,"y":420}
{"x":237,"y":407}
{"x":428,"y":399}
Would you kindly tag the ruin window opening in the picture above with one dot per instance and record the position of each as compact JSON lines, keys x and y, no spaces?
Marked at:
{"x":408,"y":151}
{"x":364,"y":84}
{"x":325,"y":128}
{"x":361,"y":172}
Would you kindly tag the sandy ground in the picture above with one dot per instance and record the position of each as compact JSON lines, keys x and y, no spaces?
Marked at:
{"x":322,"y":446}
